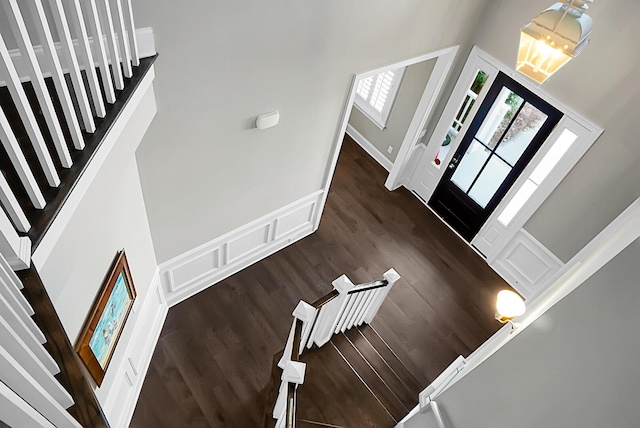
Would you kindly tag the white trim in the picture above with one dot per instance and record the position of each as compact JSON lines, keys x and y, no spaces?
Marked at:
{"x":144,"y":36}
{"x":368,"y":147}
{"x":199,"y":268}
{"x":427,"y":102}
{"x":143,"y":118}
{"x":346,"y":112}
{"x":123,"y":382}
{"x":526,"y":264}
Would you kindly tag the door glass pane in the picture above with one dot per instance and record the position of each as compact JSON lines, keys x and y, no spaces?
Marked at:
{"x":470,"y":165}
{"x":491,"y":178}
{"x":523,"y":129}
{"x":499,"y":117}
{"x":461,"y":116}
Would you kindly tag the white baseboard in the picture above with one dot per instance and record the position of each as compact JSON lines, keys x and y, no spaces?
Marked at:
{"x":144,"y":37}
{"x":122,"y":385}
{"x":197,"y":269}
{"x":526,"y":264}
{"x":369,"y":148}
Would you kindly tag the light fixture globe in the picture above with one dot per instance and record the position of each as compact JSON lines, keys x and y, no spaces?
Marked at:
{"x":508,"y":306}
{"x":552,"y":38}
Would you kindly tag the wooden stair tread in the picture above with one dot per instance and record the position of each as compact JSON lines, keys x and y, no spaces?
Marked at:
{"x":399,"y":385}
{"x":391,"y":358}
{"x":376,"y":385}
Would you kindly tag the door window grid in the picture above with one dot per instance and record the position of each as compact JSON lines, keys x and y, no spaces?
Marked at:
{"x":376,"y":94}
{"x":505,"y":113}
{"x":463,"y":112}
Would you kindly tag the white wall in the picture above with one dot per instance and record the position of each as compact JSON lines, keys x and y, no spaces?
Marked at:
{"x":111,"y":216}
{"x":575,"y":366}
{"x":410,"y":92}
{"x":204,"y":170}
{"x":602,"y":85}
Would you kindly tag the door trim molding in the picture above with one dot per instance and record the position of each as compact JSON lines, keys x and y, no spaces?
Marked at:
{"x":404,"y":152}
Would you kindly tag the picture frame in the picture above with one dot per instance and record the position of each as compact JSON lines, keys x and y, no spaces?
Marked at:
{"x":99,"y":336}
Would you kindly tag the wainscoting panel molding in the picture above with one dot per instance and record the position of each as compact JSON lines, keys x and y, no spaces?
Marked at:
{"x":526,"y":264}
{"x":197,"y":269}
{"x":123,"y":382}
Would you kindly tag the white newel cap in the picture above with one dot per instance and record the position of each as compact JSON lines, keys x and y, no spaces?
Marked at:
{"x":343,"y":284}
{"x":304,"y":311}
{"x":391,"y":275}
{"x":294,"y":372}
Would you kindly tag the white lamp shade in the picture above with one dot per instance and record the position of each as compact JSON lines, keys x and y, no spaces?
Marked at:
{"x":509,"y":304}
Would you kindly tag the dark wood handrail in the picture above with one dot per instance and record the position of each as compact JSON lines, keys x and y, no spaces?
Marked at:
{"x":369,"y":286}
{"x":325,"y":299}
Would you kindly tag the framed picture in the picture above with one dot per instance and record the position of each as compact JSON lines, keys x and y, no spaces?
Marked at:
{"x":100,"y":334}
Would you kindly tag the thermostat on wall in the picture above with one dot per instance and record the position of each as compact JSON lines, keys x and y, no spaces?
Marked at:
{"x":267,"y":120}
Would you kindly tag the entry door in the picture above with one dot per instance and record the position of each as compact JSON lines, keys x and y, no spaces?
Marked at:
{"x":507,"y":131}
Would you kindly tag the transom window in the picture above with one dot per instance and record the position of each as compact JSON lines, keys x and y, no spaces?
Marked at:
{"x":376,"y":94}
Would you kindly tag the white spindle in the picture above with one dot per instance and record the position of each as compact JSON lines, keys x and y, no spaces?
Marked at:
{"x":344,"y":316}
{"x":31,"y":362}
{"x":122,"y":38}
{"x":69,"y":53}
{"x":357,"y":306}
{"x":366,"y":304}
{"x":98,"y":45}
{"x":391,"y":276}
{"x":33,"y":130}
{"x":13,"y":284}
{"x":131,"y":30}
{"x":27,"y":179}
{"x":13,"y":208}
{"x":84,"y":49}
{"x":35,"y":74}
{"x":19,"y":380}
{"x":24,"y":329}
{"x":18,"y":413}
{"x":110,"y":33}
{"x":46,"y":40}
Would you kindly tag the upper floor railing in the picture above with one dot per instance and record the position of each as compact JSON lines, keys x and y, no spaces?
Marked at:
{"x":64,"y":64}
{"x":346,"y":306}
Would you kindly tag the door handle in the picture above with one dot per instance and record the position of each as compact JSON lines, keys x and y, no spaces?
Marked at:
{"x":453,"y":163}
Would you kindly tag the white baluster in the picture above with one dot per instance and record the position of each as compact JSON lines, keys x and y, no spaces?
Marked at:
{"x":8,"y":199}
{"x":14,"y":285}
{"x":365,"y":305}
{"x":110,"y":33}
{"x":18,"y":413}
{"x":84,"y":50}
{"x":21,"y":102}
{"x":344,"y":316}
{"x":122,"y":39}
{"x":98,"y":45}
{"x":19,"y":380}
{"x":286,"y":354}
{"x":46,"y":40}
{"x":71,"y":60}
{"x":357,"y":305}
{"x":307,"y":314}
{"x":392,"y":277}
{"x":35,"y":74}
{"x":131,"y":30}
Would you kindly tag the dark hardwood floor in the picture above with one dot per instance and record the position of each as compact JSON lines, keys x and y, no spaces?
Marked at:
{"x":212,"y":364}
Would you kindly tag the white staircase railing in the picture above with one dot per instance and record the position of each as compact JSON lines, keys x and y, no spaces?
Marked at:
{"x":30,"y":395}
{"x":44,"y":48}
{"x":347,"y":306}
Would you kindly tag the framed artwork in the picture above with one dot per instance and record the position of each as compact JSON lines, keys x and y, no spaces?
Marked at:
{"x":100,"y":334}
